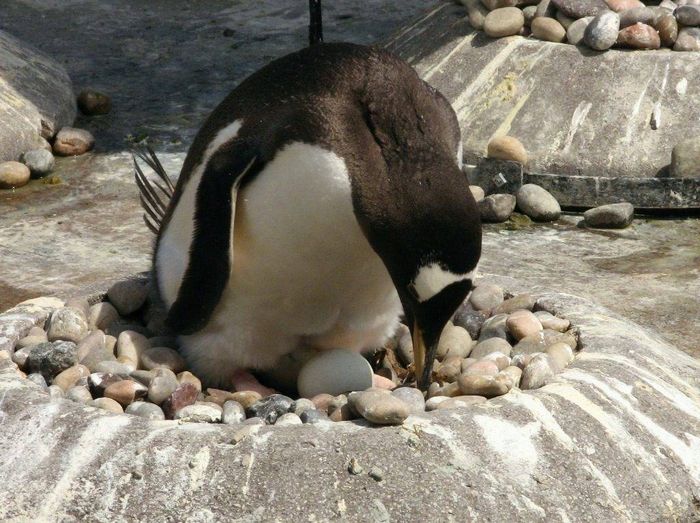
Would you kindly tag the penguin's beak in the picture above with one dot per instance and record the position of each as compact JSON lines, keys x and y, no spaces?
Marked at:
{"x":424,"y":352}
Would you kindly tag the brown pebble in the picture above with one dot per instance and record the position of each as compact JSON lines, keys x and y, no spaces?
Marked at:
{"x":246,"y":397}
{"x":185,"y":394}
{"x":507,"y":148}
{"x":125,"y":392}
{"x":72,"y":142}
{"x":13,"y":174}
{"x":70,"y":376}
{"x":188,"y":377}
{"x":92,"y":102}
{"x":219,"y":396}
{"x":322,"y":401}
{"x":108,"y":404}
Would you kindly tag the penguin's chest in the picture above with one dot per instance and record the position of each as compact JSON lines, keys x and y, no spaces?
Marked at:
{"x":301,"y":266}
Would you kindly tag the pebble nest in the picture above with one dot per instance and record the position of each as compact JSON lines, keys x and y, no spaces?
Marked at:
{"x":596,"y":24}
{"x":117,"y":355}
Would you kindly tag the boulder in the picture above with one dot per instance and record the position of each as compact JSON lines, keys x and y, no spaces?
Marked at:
{"x":36,"y":98}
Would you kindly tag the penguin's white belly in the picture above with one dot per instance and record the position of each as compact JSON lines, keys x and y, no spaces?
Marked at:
{"x":303,"y":273}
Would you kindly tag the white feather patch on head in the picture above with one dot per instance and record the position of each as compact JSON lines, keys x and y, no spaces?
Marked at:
{"x":172,"y":257}
{"x":432,"y":279}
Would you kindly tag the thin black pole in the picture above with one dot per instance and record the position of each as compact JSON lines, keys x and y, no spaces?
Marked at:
{"x":315,"y":22}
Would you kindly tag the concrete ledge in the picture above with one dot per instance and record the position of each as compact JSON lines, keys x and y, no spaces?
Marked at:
{"x":616,"y":437}
{"x":583,"y":116}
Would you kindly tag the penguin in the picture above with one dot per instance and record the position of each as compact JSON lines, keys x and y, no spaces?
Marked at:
{"x":320,"y":201}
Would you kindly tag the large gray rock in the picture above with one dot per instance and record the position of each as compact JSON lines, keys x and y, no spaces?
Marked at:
{"x":624,"y":418}
{"x":36,"y":97}
{"x":587,"y":143}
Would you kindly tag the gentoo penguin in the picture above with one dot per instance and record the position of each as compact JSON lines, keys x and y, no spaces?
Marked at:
{"x":320,"y":200}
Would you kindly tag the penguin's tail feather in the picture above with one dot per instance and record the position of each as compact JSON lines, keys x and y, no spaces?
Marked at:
{"x":154,"y":195}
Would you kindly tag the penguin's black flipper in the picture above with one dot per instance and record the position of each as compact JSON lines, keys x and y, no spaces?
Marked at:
{"x":211,"y":252}
{"x":151,"y":201}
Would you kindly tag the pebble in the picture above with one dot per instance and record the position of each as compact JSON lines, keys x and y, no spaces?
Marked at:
{"x":470,"y":320}
{"x":611,"y":216}
{"x":31,"y":340}
{"x":433,"y":403}
{"x":188,"y":377}
{"x":548,"y":29}
{"x":131,"y":345}
{"x":40,"y":162}
{"x":51,"y":358}
{"x":146,"y":410}
{"x":491,"y":345}
{"x":536,"y":372}
{"x":404,"y":345}
{"x":163,"y":357}
{"x":69,"y":377}
{"x":564,"y":20}
{"x":246,"y":398}
{"x":107,"y":404}
{"x":354,"y":467}
{"x":537,"y":203}
{"x":72,"y":142}
{"x":55,"y":392}
{"x":496,"y":208}
{"x":476,"y":13}
{"x":270,"y":408}
{"x":13,"y":175}
{"x":601,"y":33}
{"x":522,"y":301}
{"x":21,"y":356}
{"x":688,"y":15}
{"x":507,"y":148}
{"x":549,"y":321}
{"x":522,"y":323}
{"x":128,"y":296}
{"x":560,"y":356}
{"x":102,"y":315}
{"x":515,"y":374}
{"x":91,"y":102}
{"x":545,"y":8}
{"x":254,"y":421}
{"x":667,"y":26}
{"x":504,"y":21}
{"x":486,"y":296}
{"x":638,"y":14}
{"x":92,"y":349}
{"x":623,"y":5}
{"x":334,"y":372}
{"x":143,"y":376}
{"x":688,"y":40}
{"x":301,"y":405}
{"x":448,"y":389}
{"x":551,"y":337}
{"x":487,"y":386}
{"x":79,"y":394}
{"x":411,"y":397}
{"x":477,"y":192}
{"x":200,"y":412}
{"x":126,"y":391}
{"x":494,"y":327}
{"x":575,"y":32}
{"x":217,"y":396}
{"x":639,"y":36}
{"x":232,"y":413}
{"x":99,"y":381}
{"x":38,"y":380}
{"x":669,"y":5}
{"x":379,"y":407}
{"x":162,"y":385}
{"x":454,"y":341}
{"x":685,"y":157}
{"x":67,"y":324}
{"x":313,"y":416}
{"x":530,"y":344}
{"x":288,"y":419}
{"x":482,"y":368}
{"x":500,"y":359}
{"x":529,"y":13}
{"x":460,"y":402}
{"x":185,"y":394}
{"x":580,"y":8}
{"x":449,"y":369}
{"x":113,"y":367}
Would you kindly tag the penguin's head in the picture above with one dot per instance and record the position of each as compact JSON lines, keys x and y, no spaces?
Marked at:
{"x":414,"y":203}
{"x":428,"y":234}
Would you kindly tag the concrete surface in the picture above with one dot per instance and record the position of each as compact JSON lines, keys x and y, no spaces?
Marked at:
{"x":583,"y":116}
{"x":616,"y":437}
{"x":36,"y":97}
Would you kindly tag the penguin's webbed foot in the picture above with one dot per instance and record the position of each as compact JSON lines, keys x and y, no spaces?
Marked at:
{"x":242,"y":380}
